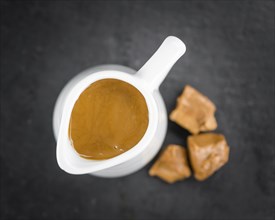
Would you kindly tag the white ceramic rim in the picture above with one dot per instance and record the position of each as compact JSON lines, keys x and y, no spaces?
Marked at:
{"x":97,"y":165}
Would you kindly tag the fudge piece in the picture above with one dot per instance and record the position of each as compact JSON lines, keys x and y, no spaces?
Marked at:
{"x":208,"y":153}
{"x":194,"y":111}
{"x":172,"y":165}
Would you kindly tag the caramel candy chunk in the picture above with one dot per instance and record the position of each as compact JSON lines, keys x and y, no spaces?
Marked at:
{"x":208,"y":153}
{"x":172,"y":165}
{"x":194,"y":111}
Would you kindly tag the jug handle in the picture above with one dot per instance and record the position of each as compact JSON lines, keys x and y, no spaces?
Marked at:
{"x":158,"y":66}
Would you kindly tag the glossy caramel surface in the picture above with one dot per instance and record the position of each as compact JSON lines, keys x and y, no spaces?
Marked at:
{"x":109,"y":118}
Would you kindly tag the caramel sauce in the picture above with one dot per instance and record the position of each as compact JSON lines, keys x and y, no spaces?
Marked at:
{"x":109,"y":118}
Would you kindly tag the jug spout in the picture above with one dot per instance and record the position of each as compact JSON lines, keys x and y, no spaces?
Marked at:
{"x":157,"y":67}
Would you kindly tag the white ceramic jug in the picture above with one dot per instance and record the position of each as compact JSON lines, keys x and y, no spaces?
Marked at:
{"x":147,"y":80}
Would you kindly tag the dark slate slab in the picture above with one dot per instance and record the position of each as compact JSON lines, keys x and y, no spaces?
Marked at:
{"x":230,"y":58}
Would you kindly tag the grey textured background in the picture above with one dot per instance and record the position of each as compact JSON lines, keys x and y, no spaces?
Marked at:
{"x":230,"y":58}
